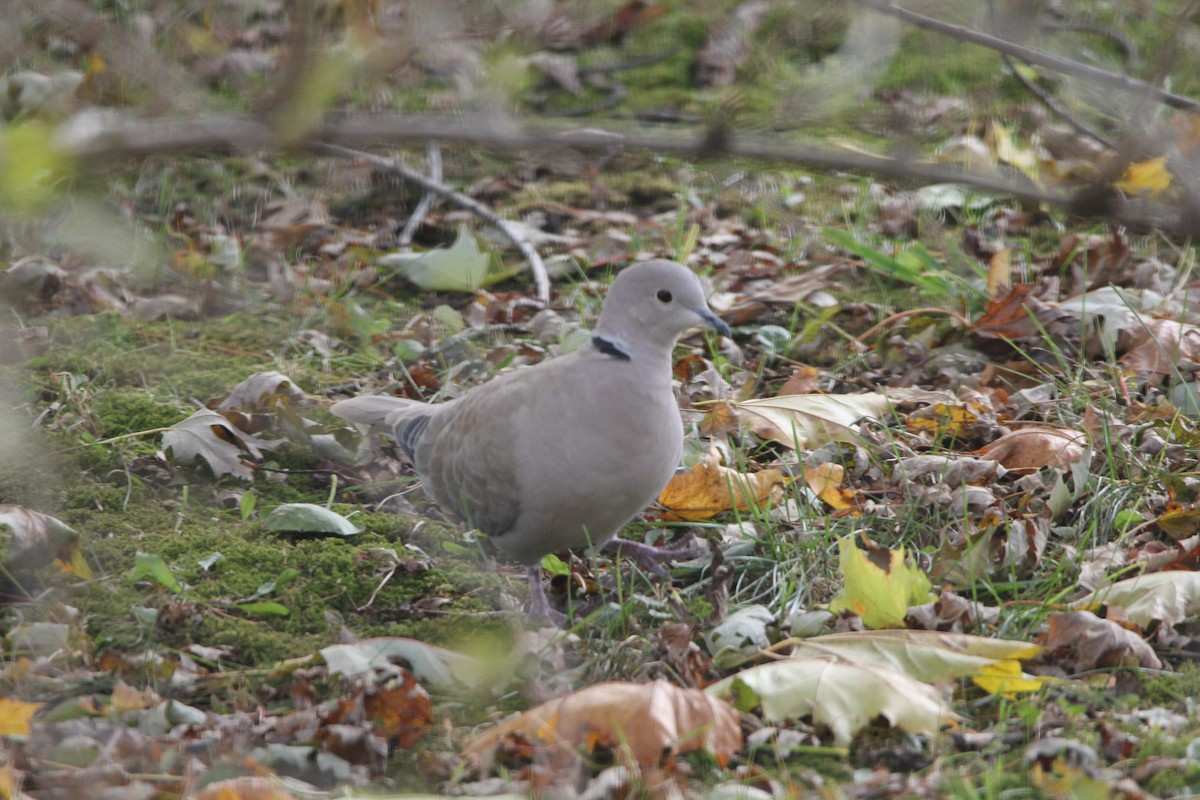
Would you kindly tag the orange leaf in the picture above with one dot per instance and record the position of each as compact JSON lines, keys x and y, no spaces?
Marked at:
{"x":710,"y":488}
{"x":825,"y":480}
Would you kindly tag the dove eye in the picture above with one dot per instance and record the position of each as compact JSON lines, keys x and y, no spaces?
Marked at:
{"x":663,"y":296}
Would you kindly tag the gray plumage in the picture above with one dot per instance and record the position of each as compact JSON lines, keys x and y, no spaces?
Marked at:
{"x":562,"y":454}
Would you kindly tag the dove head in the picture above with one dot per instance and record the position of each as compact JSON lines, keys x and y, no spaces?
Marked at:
{"x":651,"y":303}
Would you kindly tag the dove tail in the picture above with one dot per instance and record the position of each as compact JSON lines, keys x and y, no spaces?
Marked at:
{"x":408,"y":433}
{"x":370,"y":410}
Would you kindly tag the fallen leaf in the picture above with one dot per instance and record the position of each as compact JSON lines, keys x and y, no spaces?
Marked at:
{"x":462,"y":267}
{"x":126,"y":698}
{"x":879,"y":584}
{"x":710,"y":488}
{"x":1166,"y":597}
{"x":1098,"y":643}
{"x":1180,"y":521}
{"x":308,"y":518}
{"x":825,"y":480}
{"x":807,"y":421}
{"x":402,"y":710}
{"x":803,"y":380}
{"x":434,"y":666}
{"x":1149,"y":176}
{"x":1015,"y":315}
{"x":930,"y":656}
{"x":1030,"y":449}
{"x":261,"y":393}
{"x":34,"y":539}
{"x":209,"y":436}
{"x":244,"y":788}
{"x":647,"y":721}
{"x":15,"y":716}
{"x":842,"y":697}
{"x":1159,"y":347}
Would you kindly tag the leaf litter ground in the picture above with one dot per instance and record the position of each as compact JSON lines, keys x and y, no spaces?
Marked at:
{"x":1042,"y":464}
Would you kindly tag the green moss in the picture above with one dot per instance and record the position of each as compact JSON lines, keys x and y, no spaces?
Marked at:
{"x":1173,"y":690}
{"x":120,"y":412}
{"x":331,"y":575}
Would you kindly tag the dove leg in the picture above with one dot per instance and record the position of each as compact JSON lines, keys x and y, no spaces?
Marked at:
{"x":652,"y":558}
{"x":539,"y":606}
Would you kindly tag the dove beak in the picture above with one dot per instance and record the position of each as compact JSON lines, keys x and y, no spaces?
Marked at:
{"x":713,"y":321}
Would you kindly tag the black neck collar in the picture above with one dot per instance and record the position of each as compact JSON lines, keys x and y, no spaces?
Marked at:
{"x":610,"y":348}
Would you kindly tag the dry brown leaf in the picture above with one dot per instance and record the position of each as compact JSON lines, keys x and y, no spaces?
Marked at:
{"x":802,"y":381}
{"x":1030,"y":449}
{"x":645,"y":722}
{"x":126,"y":698}
{"x":401,"y":712}
{"x":31,"y":539}
{"x":1097,"y":642}
{"x":710,"y":488}
{"x":1159,"y":346}
{"x":262,"y":392}
{"x":1014,"y":316}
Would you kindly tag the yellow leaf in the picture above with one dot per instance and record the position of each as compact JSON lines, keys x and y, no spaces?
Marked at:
{"x":30,"y":164}
{"x":1006,"y":678}
{"x":72,"y":562}
{"x":1007,"y":151}
{"x":879,"y":584}
{"x":1145,"y":176}
{"x":15,"y":716}
{"x":1180,"y":523}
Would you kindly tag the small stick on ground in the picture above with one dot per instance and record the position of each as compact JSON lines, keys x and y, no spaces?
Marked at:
{"x":871,"y":331}
{"x":540,"y":278}
{"x":427,"y":199}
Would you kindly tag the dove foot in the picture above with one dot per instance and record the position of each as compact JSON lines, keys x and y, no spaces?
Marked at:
{"x":539,"y":607}
{"x":652,"y":558}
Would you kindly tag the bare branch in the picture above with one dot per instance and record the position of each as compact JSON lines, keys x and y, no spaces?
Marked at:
{"x":139,"y":138}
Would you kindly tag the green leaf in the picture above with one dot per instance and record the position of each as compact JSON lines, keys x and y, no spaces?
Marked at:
{"x":30,"y":166}
{"x":266,"y":608}
{"x":555,"y":565}
{"x":248,"y":502}
{"x":462,"y":267}
{"x":309,"y":518}
{"x":149,"y":565}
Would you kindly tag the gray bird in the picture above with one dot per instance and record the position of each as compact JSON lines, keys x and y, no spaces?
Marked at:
{"x":562,"y":454}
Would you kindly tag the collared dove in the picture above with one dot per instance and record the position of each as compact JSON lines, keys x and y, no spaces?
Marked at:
{"x":562,"y":454}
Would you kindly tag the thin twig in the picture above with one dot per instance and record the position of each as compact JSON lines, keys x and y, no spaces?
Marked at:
{"x":540,"y":277}
{"x":1056,"y":108}
{"x":427,"y":199}
{"x":871,"y":331}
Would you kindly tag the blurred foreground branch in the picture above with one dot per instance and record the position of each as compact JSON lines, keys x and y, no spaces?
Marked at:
{"x":1066,"y":66}
{"x":98,"y":142}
